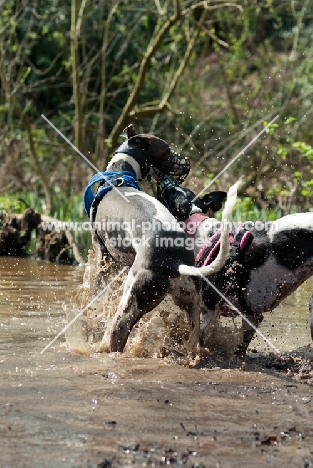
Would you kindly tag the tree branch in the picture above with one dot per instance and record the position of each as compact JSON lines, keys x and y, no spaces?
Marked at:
{"x":99,"y":151}
{"x":164,"y":103}
{"x":78,"y":119}
{"x":157,"y":38}
{"x":39,"y":170}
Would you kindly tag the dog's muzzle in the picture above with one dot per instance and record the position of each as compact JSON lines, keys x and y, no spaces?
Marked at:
{"x":175,"y":165}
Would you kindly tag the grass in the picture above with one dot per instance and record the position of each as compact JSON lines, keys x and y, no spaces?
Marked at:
{"x":65,"y":209}
{"x":71,"y":209}
{"x":246,"y":210}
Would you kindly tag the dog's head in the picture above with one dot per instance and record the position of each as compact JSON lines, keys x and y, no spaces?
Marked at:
{"x":180,"y":201}
{"x":154,"y":155}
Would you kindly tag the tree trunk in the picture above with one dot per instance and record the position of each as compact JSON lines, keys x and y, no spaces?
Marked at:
{"x":39,"y":169}
{"x":76,"y":13}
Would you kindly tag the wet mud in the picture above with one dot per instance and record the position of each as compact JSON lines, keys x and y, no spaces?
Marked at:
{"x":64,"y":409}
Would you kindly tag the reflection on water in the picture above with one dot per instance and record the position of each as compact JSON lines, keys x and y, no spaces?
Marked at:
{"x":288,"y":325}
{"x":33,"y":296}
{"x":63,"y":409}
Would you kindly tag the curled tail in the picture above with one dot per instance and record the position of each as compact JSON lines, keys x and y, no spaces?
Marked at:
{"x":223,"y":254}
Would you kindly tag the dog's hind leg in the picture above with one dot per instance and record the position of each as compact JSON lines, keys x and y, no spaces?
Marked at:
{"x":248,"y":333}
{"x":186,"y":294}
{"x":311,"y":316}
{"x":143,"y":291}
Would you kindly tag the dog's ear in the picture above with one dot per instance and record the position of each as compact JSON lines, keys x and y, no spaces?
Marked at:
{"x":139,"y":141}
{"x":130,"y":131}
{"x":213,"y":201}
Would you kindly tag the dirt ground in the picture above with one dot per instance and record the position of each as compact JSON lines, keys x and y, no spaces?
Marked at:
{"x":107,"y":411}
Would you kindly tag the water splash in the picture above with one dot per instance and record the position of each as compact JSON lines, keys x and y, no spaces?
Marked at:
{"x":162,"y":332}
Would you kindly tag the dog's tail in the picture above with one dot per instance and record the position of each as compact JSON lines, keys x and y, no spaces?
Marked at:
{"x":223,"y":254}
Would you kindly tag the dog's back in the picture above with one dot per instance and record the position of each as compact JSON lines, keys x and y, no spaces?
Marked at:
{"x":142,"y":228}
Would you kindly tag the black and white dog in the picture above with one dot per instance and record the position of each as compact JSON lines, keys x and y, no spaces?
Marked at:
{"x":136,"y":230}
{"x":273,"y":261}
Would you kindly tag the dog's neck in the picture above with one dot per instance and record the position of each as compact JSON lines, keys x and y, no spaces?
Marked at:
{"x":124,"y":162}
{"x":194,"y":209}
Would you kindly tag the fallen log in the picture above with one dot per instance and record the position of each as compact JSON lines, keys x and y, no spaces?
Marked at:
{"x":52,"y":244}
{"x":16,"y":231}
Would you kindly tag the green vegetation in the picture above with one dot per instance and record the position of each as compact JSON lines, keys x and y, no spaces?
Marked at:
{"x":205,"y":76}
{"x":65,"y":209}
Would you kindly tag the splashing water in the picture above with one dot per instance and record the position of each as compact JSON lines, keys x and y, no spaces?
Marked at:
{"x":162,"y":332}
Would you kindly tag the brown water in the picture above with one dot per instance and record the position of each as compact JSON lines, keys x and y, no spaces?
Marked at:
{"x":63,"y":409}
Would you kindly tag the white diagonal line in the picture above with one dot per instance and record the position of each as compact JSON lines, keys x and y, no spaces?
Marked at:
{"x":82,"y":311}
{"x":83,"y":156}
{"x":238,"y":311}
{"x":235,"y":158}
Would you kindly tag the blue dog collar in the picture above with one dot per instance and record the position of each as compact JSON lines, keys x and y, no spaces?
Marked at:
{"x":109,"y":180}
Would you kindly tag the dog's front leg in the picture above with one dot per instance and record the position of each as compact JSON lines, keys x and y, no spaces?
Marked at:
{"x":194,"y":323}
{"x":100,"y":253}
{"x":186,"y":294}
{"x":248,"y":333}
{"x":143,"y":291}
{"x":210,"y":319}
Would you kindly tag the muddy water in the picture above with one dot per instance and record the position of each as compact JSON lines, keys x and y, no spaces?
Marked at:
{"x":63,"y":409}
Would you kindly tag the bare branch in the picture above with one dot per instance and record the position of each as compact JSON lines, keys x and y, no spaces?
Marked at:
{"x":159,"y":34}
{"x":207,"y":6}
{"x":39,"y":169}
{"x":78,"y":121}
{"x":214,"y":37}
{"x":292,"y":55}
{"x":146,"y":110}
